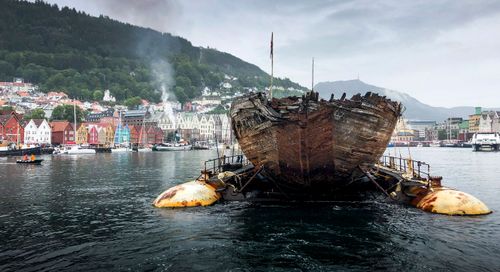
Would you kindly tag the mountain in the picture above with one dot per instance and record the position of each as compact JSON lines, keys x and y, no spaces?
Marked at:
{"x":64,"y":49}
{"x":415,"y":109}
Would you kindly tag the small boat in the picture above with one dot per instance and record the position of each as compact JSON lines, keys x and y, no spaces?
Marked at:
{"x":201,"y":145}
{"x":77,"y":150}
{"x":56,"y":151}
{"x":144,"y":149}
{"x":435,"y":144}
{"x":121,"y":150}
{"x":37,"y":161}
{"x":141,"y":148}
{"x":180,"y":146}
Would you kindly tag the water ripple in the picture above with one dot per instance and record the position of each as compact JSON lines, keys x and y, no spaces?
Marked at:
{"x":95,"y":213}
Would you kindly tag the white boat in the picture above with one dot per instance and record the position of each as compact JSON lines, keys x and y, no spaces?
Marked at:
{"x":144,"y":149}
{"x":485,"y":141}
{"x":121,"y":149}
{"x":201,"y":145}
{"x":435,"y":144}
{"x":172,"y":147}
{"x":75,"y":150}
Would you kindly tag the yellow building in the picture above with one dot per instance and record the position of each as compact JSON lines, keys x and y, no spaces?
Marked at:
{"x":82,"y":134}
{"x":405,"y":135}
{"x":110,"y":135}
{"x":474,"y":121}
{"x":401,"y":132}
{"x":106,"y":134}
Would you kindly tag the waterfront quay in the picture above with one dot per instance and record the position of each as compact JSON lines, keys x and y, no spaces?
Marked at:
{"x":94,"y":212}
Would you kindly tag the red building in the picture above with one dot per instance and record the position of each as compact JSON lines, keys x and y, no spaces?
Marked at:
{"x":134,"y":134}
{"x":158,"y":135}
{"x":11,"y":127}
{"x":150,"y":135}
{"x":142,"y":137}
{"x":93,"y":138}
{"x":62,"y":133}
{"x":109,"y":120}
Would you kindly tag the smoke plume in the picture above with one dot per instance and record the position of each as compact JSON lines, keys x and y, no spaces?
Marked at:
{"x":163,"y":76}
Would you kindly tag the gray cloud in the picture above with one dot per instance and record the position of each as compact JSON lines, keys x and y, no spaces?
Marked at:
{"x":437,"y":51}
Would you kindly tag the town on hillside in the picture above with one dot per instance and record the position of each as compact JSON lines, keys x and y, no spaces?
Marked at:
{"x":28,"y":117}
{"x":203,"y":119}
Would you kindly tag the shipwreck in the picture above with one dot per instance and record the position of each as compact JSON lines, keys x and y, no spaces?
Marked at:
{"x":309,"y":144}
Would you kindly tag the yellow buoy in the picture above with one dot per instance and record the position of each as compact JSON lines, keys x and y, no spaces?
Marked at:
{"x":189,"y":194}
{"x":452,"y":202}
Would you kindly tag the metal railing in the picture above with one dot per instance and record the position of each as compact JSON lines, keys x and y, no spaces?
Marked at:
{"x":216,"y":165}
{"x":417,"y":168}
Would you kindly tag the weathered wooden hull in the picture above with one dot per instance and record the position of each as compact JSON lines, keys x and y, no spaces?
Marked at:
{"x":306,"y":143}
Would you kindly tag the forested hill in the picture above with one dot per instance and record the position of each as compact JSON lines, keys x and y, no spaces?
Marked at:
{"x":64,"y":49}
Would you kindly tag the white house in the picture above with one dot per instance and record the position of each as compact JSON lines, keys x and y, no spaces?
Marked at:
{"x":489,"y":121}
{"x":225,"y":128}
{"x":208,"y":100}
{"x":164,"y":121}
{"x":37,"y":131}
{"x":108,"y":97}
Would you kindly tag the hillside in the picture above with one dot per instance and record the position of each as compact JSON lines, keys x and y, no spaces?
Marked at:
{"x":64,"y":49}
{"x":414,"y":108}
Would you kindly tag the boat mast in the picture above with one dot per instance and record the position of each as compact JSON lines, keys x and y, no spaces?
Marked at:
{"x":142,"y":129}
{"x":120,"y":129}
{"x":312,"y":81}
{"x":74,"y":118}
{"x":272,"y":69}
{"x":17,"y":140}
{"x":449,"y":129}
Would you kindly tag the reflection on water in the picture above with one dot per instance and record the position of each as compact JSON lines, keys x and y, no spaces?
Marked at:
{"x":94,"y":212}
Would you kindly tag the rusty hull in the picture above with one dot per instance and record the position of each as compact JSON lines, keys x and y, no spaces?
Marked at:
{"x":311,"y":143}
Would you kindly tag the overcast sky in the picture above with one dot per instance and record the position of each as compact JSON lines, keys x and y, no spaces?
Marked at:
{"x":442,"y":52}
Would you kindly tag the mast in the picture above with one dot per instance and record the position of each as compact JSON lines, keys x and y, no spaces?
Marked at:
{"x":120,"y":129}
{"x":272,"y":68}
{"x":449,"y":129}
{"x":74,"y":119}
{"x":142,"y":128}
{"x":312,"y":80}
{"x":17,"y":140}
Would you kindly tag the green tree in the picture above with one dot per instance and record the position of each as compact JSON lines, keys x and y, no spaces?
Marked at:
{"x":97,"y":95}
{"x":35,"y":114}
{"x":7,"y":108}
{"x":65,"y":112}
{"x":133,"y":102}
{"x":6,"y":69}
{"x":180,"y":94}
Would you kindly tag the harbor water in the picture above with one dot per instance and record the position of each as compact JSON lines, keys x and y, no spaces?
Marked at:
{"x":94,"y":212}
